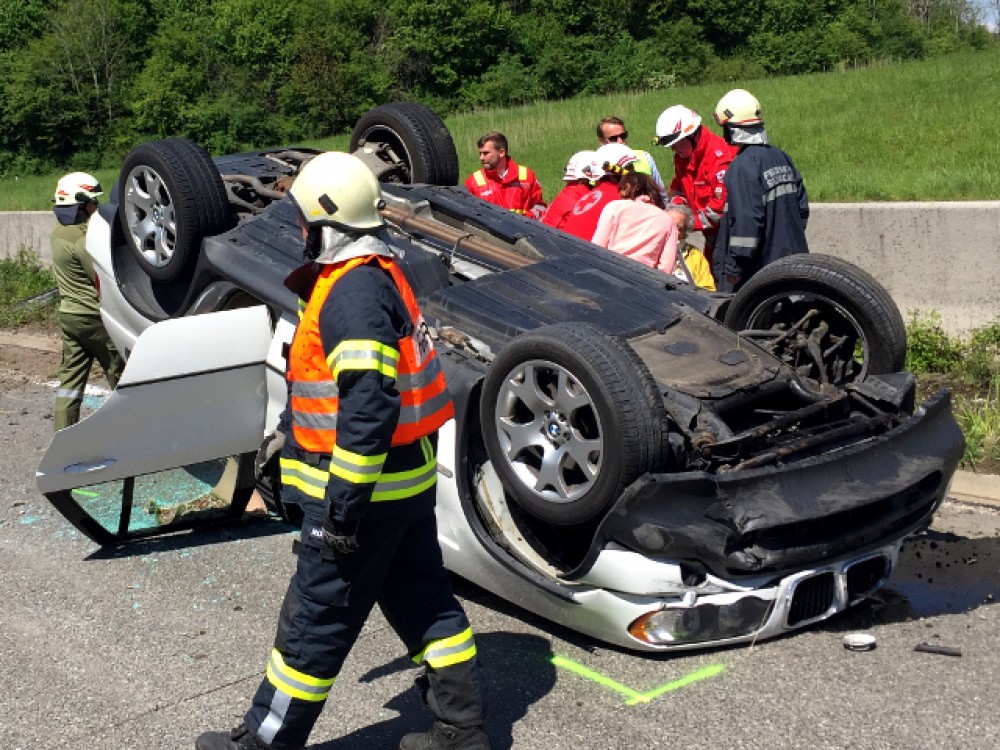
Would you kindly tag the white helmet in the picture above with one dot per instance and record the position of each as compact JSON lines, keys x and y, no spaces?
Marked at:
{"x":675,"y":123}
{"x":577,"y":165}
{"x":337,"y":189}
{"x":76,"y":188}
{"x":615,"y":154}
{"x":738,"y":109}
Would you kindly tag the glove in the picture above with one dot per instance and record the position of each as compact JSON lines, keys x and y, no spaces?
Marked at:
{"x":342,"y":539}
{"x":272,"y":444}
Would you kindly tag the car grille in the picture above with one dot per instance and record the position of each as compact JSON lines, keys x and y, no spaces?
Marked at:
{"x":866,"y":576}
{"x":821,"y":594}
{"x":813,"y":598}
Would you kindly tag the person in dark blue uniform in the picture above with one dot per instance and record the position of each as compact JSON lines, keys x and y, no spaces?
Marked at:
{"x":767,"y":207}
{"x":366,"y":398}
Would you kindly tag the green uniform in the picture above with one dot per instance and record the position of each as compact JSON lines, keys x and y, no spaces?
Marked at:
{"x":84,"y":336}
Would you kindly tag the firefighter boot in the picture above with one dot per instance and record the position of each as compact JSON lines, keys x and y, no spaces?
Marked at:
{"x":240,"y":738}
{"x":447,"y":737}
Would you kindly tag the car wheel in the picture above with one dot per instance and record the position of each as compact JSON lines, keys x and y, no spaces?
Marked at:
{"x":412,"y":140}
{"x":171,"y":197}
{"x":827,"y":318}
{"x":571,"y":416}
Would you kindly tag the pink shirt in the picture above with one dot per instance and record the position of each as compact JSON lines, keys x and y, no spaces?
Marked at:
{"x":640,"y":231}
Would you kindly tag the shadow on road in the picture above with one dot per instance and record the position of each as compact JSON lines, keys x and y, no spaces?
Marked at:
{"x":200,"y":537}
{"x":517,"y":672}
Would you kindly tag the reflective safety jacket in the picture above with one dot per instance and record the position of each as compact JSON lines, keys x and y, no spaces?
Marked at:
{"x":365,"y":390}
{"x":699,"y":180}
{"x":765,"y":217}
{"x":518,"y":190}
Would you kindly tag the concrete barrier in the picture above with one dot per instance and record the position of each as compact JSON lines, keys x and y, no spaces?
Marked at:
{"x":30,"y":229}
{"x":942,"y":257}
{"x":930,"y":256}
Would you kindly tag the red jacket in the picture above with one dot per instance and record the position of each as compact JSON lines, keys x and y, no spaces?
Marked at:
{"x":582,"y":220}
{"x":698,"y":180}
{"x":518,"y":190}
{"x":558,"y":210}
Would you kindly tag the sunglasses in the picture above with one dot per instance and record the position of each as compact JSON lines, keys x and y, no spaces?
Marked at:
{"x":619,"y":137}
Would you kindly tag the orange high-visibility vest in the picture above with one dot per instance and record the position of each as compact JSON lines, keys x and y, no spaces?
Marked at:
{"x":425,"y":401}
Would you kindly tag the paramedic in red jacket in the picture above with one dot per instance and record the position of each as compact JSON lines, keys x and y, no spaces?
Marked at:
{"x":503,"y":181}
{"x":577,"y":179}
{"x":701,"y":159}
{"x":610,"y":162}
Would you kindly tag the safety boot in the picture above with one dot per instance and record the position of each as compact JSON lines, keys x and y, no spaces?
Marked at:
{"x":447,"y":737}
{"x":240,"y":738}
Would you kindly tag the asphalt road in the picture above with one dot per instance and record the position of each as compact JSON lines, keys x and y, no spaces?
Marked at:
{"x":149,"y":646}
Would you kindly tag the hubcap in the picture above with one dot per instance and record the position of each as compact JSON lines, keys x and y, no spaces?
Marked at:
{"x":549,"y":431}
{"x":150,"y":215}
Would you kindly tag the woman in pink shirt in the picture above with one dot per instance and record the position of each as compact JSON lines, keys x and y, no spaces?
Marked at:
{"x":637,"y":226}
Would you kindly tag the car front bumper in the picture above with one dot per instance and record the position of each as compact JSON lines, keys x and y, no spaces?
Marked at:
{"x":780,"y":519}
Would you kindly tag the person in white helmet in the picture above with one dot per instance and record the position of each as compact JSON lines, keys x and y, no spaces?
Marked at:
{"x":610,"y":162}
{"x":701,"y":159}
{"x":366,"y":398}
{"x":84,"y":338}
{"x":611,"y":129}
{"x":767,"y":207}
{"x":578,"y":184}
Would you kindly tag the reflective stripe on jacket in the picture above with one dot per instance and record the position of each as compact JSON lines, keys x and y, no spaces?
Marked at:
{"x":311,"y":479}
{"x":312,"y":375}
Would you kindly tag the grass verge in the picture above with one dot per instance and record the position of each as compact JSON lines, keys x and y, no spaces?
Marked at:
{"x":892,"y":132}
{"x":970,"y":366}
{"x":24,"y":284}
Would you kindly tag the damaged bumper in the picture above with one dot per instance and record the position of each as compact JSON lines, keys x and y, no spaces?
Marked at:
{"x":781,"y":519}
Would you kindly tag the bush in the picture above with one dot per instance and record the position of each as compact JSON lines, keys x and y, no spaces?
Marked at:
{"x":929,"y":348}
{"x":982,"y":354}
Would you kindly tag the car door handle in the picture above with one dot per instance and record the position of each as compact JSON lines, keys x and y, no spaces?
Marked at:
{"x":89,"y":467}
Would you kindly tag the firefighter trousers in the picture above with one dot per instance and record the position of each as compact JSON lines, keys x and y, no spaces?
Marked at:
{"x":84,"y":340}
{"x":398,"y":566}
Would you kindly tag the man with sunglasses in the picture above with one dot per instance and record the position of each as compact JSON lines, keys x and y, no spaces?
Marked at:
{"x":84,"y":337}
{"x":701,"y":159}
{"x":611,"y":129}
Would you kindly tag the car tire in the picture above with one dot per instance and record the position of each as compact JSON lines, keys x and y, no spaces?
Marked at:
{"x":170,"y":197}
{"x":857,"y":312}
{"x":571,"y":416}
{"x":416,"y":139}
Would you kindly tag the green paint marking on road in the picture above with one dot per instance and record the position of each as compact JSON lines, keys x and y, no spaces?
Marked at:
{"x":634,"y":696}
{"x":85,"y":493}
{"x":572,"y":666}
{"x":702,"y":674}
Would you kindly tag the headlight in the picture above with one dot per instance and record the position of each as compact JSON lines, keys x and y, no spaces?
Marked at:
{"x":704,"y":622}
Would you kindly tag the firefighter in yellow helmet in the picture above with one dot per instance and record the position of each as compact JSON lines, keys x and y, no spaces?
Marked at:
{"x":83,"y":334}
{"x":366,"y":398}
{"x":767,"y":205}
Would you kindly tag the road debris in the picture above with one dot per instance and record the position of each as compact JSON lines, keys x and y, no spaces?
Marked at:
{"x":859,"y":642}
{"x":930,"y":648}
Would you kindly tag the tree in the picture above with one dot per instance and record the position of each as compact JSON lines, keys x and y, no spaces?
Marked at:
{"x":95,"y":42}
{"x":21,"y":20}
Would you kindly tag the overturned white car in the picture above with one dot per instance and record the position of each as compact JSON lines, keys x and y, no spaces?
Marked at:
{"x":649,"y":464}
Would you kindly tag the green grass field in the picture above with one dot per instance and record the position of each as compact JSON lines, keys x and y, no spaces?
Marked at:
{"x":907,"y":132}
